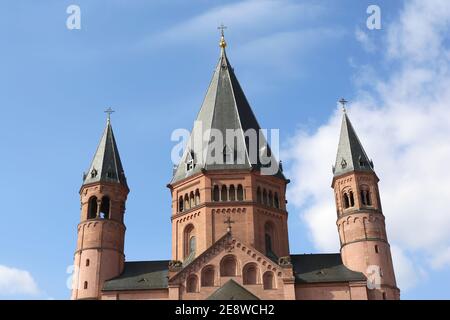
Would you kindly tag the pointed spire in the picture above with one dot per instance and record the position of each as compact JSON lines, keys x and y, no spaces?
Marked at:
{"x":350,"y":155}
{"x":106,"y":165}
{"x":224,"y":107}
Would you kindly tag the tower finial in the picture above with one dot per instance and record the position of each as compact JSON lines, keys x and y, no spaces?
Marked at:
{"x":343,"y":102}
{"x":222,"y":42}
{"x":109,"y":111}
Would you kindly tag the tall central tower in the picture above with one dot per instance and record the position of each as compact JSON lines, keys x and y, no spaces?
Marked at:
{"x":222,"y":174}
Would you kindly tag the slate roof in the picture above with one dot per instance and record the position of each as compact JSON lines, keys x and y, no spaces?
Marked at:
{"x":232,"y":291}
{"x":316,"y":268}
{"x":350,"y":154}
{"x":140,"y":275}
{"x":106,"y":165}
{"x":308,"y":268}
{"x":224,"y":107}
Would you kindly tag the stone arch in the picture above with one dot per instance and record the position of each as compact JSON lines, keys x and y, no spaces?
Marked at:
{"x":268,"y":280}
{"x":186,"y":202}
{"x":189,"y":241}
{"x":192,"y":284}
{"x":250,"y":273}
{"x":216,"y":193}
{"x":232,"y":193}
{"x":105,"y":207}
{"x":228,"y":266}
{"x":224,"y":193}
{"x":269,"y":237}
{"x":197,"y":197}
{"x":208,"y":276}
{"x":270,"y":199}
{"x":191,"y":199}
{"x":240,"y":192}
{"x":276,"y":201}
{"x":92,"y":207}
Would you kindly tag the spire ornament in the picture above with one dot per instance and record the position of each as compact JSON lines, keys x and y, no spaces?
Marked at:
{"x":343,"y":102}
{"x":222,"y":42}
{"x":109,"y":111}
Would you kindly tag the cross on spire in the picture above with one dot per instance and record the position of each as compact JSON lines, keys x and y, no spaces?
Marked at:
{"x":222,"y":43}
{"x":221,"y":28}
{"x":109,"y":111}
{"x":228,"y":222}
{"x":343,"y":102}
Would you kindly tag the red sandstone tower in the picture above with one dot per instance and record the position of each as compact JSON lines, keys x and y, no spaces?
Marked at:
{"x":360,"y":220}
{"x":100,"y":246}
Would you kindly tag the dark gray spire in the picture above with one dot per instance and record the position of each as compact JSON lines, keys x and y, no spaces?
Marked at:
{"x":106,"y":165}
{"x":350,"y":155}
{"x":224,"y":107}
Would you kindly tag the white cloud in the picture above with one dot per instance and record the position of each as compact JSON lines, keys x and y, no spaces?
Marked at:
{"x":364,"y":39}
{"x":441,"y":259}
{"x":251,"y":16}
{"x":16,"y":282}
{"x":404,"y":124}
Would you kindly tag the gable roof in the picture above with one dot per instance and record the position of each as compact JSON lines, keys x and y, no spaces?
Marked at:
{"x":106,"y":165}
{"x":232,"y":291}
{"x":350,"y":155}
{"x":225,"y":107}
{"x":315,"y":268}
{"x":140,"y":275}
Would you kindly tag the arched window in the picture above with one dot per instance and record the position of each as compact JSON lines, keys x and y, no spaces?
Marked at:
{"x":258,"y":195}
{"x":363,"y":197}
{"x":276,"y":201}
{"x":376,"y":249}
{"x":208,"y":275}
{"x":180,"y":204}
{"x":228,"y":266}
{"x":85,"y":285}
{"x":268,"y":280}
{"x":87,"y":262}
{"x":250,"y":274}
{"x":186,"y":202}
{"x":368,"y":198}
{"x":192,"y":284}
{"x":216,"y":193}
{"x":265,"y":197}
{"x":240,"y":193}
{"x":192,"y":199}
{"x":224,"y":193}
{"x":232,"y":193}
{"x":104,"y":208}
{"x":92,"y":208}
{"x":346,"y":201}
{"x":352,"y":199}
{"x":270,"y":199}
{"x":197,"y":197}
{"x":269,"y":237}
{"x":189,"y":241}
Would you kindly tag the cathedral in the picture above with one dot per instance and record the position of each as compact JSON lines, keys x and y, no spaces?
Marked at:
{"x":230,"y":222}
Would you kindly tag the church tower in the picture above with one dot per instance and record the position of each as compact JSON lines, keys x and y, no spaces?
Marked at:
{"x":223,"y":176}
{"x":360,"y":220}
{"x":101,"y":231}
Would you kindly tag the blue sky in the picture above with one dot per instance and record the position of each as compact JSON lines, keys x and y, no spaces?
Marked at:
{"x":151,"y":61}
